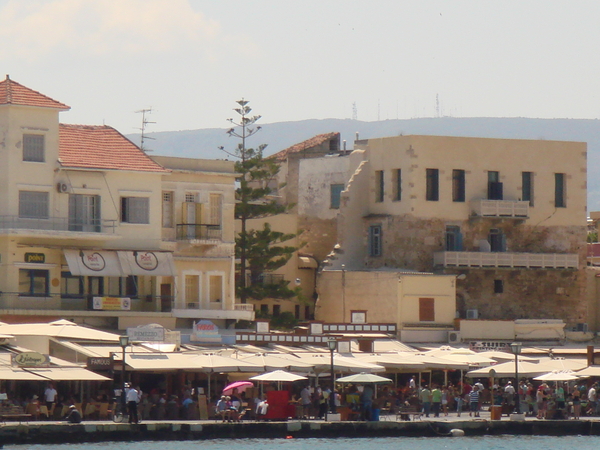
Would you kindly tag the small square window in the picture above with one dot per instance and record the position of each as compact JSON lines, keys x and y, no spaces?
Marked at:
{"x":33,"y":147}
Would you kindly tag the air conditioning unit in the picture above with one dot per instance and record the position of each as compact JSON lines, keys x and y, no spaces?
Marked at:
{"x":62,"y":188}
{"x":472,"y":314}
{"x":454,"y":337}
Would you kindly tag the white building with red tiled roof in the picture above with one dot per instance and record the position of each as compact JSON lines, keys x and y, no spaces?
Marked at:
{"x":84,"y":232}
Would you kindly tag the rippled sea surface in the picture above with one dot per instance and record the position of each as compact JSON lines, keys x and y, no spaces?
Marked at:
{"x":464,"y":443}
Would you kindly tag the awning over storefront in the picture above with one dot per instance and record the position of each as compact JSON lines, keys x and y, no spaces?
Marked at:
{"x":119,"y":263}
{"x":67,"y":374}
{"x":147,"y":263}
{"x":16,"y":374}
{"x":97,"y":263}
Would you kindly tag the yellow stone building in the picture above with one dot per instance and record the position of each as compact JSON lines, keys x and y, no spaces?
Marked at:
{"x":505,"y":217}
{"x":92,"y":229}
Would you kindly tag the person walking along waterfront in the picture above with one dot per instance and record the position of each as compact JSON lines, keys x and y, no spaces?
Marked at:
{"x":132,"y":397}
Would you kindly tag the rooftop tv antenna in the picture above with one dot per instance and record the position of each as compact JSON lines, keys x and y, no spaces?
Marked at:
{"x":145,"y":122}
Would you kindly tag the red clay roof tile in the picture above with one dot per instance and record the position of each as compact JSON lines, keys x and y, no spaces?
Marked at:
{"x":13,"y":93}
{"x":309,"y":143}
{"x":101,"y":147}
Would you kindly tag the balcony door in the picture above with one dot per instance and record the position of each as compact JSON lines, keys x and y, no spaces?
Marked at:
{"x":84,"y":213}
{"x":494,"y":186}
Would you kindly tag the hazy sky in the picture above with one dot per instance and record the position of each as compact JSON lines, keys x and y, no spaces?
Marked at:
{"x":191,"y":59}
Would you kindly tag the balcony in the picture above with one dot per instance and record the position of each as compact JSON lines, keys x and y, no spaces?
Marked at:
{"x":505,"y":209}
{"x":199,"y":233}
{"x":507,"y":260}
{"x":213,"y":310}
{"x":55,"y":226}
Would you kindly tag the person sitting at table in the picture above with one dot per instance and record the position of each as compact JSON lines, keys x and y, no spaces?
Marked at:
{"x":221,"y":408}
{"x":73,"y":416}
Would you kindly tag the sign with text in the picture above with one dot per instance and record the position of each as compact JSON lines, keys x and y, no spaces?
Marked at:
{"x":99,"y":363}
{"x":112,"y":303}
{"x":146,"y":334}
{"x":205,"y":331}
{"x":31,"y":359}
{"x":482,"y":346}
{"x":35,"y":258}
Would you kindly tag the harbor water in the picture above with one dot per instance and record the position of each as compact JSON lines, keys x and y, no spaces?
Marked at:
{"x":440,"y":443}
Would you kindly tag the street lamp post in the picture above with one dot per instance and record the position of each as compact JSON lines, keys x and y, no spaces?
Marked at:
{"x":332,"y":345}
{"x":123,"y":342}
{"x":516,"y":349}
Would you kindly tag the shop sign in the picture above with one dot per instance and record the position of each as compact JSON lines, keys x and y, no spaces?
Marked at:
{"x":96,"y":363}
{"x":35,"y":258}
{"x":482,"y":346}
{"x":146,"y":334}
{"x":31,"y":359}
{"x":112,"y":303}
{"x":93,"y":261}
{"x":205,"y":331}
{"x":146,"y":260}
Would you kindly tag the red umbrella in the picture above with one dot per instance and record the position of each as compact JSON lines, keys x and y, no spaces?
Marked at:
{"x":241,"y":386}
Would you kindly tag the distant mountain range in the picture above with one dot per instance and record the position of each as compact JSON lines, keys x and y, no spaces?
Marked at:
{"x":205,"y":143}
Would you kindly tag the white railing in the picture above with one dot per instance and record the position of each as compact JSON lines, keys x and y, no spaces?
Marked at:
{"x":244,"y":307}
{"x":502,"y":259}
{"x":501,"y":208}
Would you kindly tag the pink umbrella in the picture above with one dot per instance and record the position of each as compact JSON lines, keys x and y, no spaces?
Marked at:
{"x":241,"y":386}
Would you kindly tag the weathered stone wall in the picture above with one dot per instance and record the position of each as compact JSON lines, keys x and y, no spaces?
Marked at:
{"x":410,"y":243}
{"x":527,"y":294}
{"x":320,"y":236}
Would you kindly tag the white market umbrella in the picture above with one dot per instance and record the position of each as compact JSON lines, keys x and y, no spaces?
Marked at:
{"x":322,"y":362}
{"x":558,"y":375}
{"x":278,"y":375}
{"x":590,"y":371}
{"x":507,"y":369}
{"x":362,"y":378}
{"x":275,"y":362}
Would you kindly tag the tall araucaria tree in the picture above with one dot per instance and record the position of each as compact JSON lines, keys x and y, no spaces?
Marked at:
{"x":260,"y":251}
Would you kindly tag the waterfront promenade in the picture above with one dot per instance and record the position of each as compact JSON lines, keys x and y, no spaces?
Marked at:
{"x":52,"y":432}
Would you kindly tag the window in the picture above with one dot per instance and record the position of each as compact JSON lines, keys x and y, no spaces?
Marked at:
{"x":264,"y":308}
{"x":276,"y":310}
{"x":375,"y":240}
{"x":33,"y":147}
{"x":71,"y":286}
{"x":84,"y":213}
{"x":458,"y":185}
{"x":494,"y":186}
{"x":433,"y":185}
{"x":131,"y":286}
{"x":307,"y":315}
{"x":192,"y":289}
{"x":426,"y":310}
{"x":135,"y":210}
{"x":33,"y":205}
{"x":397,"y":184}
{"x":167,"y":209}
{"x":34,"y":282}
{"x":96,"y":286}
{"x":215,"y":288}
{"x":560,"y":188}
{"x":453,"y":239}
{"x":527,"y":181}
{"x":216,"y":207}
{"x":297,"y":312}
{"x":497,"y":240}
{"x":335,"y":195}
{"x":498,"y":286}
{"x":379,"y":186}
